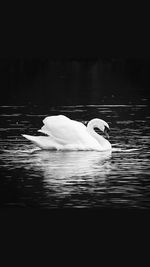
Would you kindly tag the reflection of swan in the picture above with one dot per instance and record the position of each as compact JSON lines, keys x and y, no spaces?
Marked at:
{"x":66,"y":134}
{"x":59,"y":167}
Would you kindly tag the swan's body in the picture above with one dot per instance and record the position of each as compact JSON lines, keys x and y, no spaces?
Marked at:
{"x":66,"y":134}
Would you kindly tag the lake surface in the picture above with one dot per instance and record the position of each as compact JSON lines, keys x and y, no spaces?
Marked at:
{"x":78,"y":179}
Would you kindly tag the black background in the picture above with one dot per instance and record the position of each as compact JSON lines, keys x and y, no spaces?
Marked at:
{"x":72,"y":80}
{"x":71,"y":58}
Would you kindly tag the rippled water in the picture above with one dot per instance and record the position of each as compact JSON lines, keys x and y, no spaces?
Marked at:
{"x":34,"y":178}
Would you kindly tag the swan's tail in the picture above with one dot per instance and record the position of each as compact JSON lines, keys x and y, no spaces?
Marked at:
{"x":43,"y":142}
{"x":30,"y":137}
{"x":33,"y":139}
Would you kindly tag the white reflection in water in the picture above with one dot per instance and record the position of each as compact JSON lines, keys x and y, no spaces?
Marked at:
{"x":61,"y":167}
{"x":63,"y":172}
{"x":72,"y":173}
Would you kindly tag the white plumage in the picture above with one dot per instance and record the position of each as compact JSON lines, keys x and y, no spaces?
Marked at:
{"x":66,"y":134}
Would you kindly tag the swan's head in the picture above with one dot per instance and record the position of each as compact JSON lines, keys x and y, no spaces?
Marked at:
{"x":100,"y":124}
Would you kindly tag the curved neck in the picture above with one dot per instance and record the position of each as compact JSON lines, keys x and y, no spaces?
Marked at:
{"x":95,"y":123}
{"x":90,"y":128}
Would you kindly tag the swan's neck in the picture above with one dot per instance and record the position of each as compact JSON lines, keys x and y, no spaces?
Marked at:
{"x":101,"y":140}
{"x":90,"y":128}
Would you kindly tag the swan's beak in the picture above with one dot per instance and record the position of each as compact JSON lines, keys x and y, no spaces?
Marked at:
{"x":106,"y":131}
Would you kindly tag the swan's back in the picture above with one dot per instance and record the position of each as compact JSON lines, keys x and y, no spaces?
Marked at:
{"x":64,"y":130}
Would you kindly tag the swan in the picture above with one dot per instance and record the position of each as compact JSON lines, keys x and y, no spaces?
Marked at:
{"x":62,"y":133}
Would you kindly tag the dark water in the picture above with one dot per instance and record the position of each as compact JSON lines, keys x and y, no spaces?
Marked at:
{"x":82,"y":179}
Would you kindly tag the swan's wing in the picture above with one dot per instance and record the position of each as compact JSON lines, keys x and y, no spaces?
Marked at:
{"x":64,"y":130}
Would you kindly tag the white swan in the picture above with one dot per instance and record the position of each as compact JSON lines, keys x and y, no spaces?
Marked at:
{"x":66,"y":134}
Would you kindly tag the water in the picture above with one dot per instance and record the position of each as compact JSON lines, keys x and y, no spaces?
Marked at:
{"x":79,"y":179}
